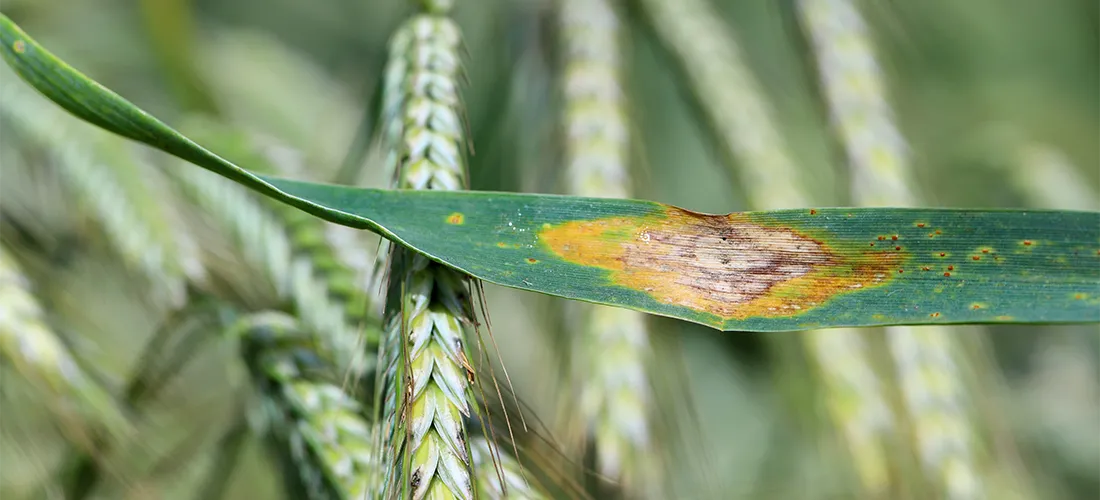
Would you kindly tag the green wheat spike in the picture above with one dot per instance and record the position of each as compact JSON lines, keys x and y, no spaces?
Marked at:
{"x":741,"y":119}
{"x":612,"y":347}
{"x":320,"y":433}
{"x":925,"y":358}
{"x":426,"y":394}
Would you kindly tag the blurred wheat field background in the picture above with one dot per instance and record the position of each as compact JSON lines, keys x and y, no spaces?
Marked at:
{"x":128,"y":372}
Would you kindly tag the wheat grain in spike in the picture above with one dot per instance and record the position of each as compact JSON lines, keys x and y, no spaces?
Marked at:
{"x":427,"y":392}
{"x":319,"y":431}
{"x":925,"y":357}
{"x":740,"y":116}
{"x":609,"y":374}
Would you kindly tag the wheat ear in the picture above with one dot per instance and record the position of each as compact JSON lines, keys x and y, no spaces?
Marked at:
{"x":427,"y":393}
{"x":925,"y":358}
{"x":320,"y":433}
{"x":102,"y":171}
{"x":738,"y":112}
{"x":43,"y":359}
{"x":611,"y":349}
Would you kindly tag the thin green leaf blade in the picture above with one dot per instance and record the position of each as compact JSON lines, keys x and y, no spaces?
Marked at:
{"x":765,"y":271}
{"x":832,"y":266}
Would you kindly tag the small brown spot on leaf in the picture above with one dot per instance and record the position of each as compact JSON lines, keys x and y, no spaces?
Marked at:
{"x":1027,"y":243}
{"x":894,"y":237}
{"x":985,"y":250}
{"x":943,"y":254}
{"x":502,"y":244}
{"x":532,"y":261}
{"x":976,"y":257}
{"x":938,"y":232}
{"x":456,"y":219}
{"x":947,"y":275}
{"x":935,"y":315}
{"x":897,"y":248}
{"x":925,"y":268}
{"x":920,"y":224}
{"x":882,"y":238}
{"x":813,"y":211}
{"x":950,"y":268}
{"x":19,"y":46}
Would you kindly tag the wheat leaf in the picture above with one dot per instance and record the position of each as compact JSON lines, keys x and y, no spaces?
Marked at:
{"x":761,"y":271}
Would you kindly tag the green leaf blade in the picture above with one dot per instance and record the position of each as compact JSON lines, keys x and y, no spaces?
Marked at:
{"x":765,"y":271}
{"x":1030,"y":266}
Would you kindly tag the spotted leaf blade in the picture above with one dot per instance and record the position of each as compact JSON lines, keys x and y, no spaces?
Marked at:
{"x":763,"y":271}
{"x":759,"y":271}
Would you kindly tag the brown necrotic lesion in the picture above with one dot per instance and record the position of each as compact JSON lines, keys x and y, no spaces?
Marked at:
{"x":726,"y":265}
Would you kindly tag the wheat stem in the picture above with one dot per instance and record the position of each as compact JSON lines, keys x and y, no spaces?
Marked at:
{"x":321,"y":433}
{"x":426,"y":394}
{"x":924,"y":357}
{"x":610,"y":372}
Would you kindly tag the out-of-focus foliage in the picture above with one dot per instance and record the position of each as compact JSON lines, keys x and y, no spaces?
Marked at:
{"x":997,"y":101}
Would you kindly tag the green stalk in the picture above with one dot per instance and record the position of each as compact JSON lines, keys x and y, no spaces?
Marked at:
{"x":427,"y":394}
{"x":610,"y":385}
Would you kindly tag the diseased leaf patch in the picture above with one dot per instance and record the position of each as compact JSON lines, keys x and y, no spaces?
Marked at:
{"x":725,"y":265}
